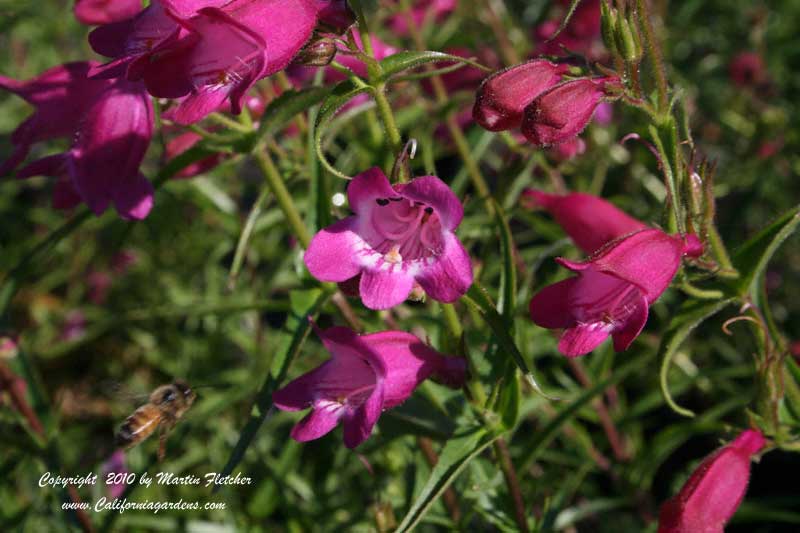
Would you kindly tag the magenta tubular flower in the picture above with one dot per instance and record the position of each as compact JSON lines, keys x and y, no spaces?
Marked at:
{"x":714,"y":490}
{"x":365,"y":375}
{"x":502,"y":97}
{"x":134,"y":42}
{"x":102,"y":166}
{"x":421,"y":12}
{"x":562,"y":112}
{"x":397,"y":236}
{"x":590,"y":221}
{"x":613,"y":290}
{"x":61,"y":95}
{"x":335,"y":15}
{"x":96,"y":12}
{"x":115,"y":464}
{"x":225,"y":51}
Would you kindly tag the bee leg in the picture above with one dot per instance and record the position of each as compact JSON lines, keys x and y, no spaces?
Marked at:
{"x":163,"y":431}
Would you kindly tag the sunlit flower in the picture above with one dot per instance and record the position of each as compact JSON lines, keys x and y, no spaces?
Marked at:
{"x":365,"y":375}
{"x":398,"y":235}
{"x":612,"y":291}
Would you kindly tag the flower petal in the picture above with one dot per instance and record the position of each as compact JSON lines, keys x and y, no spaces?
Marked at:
{"x":408,"y":362}
{"x":358,"y":423}
{"x":332,"y":254}
{"x":133,"y":197}
{"x":366,"y":188}
{"x":383,"y":289}
{"x":450,"y":275}
{"x":432,"y":191}
{"x":649,"y":259}
{"x":583,"y":338}
{"x":625,"y":334}
{"x":320,"y":421}
{"x":550,"y":307}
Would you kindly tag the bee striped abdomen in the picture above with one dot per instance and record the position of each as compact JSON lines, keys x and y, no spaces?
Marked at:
{"x":139,"y":425}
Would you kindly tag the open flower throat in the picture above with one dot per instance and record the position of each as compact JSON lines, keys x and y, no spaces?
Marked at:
{"x":404,"y":231}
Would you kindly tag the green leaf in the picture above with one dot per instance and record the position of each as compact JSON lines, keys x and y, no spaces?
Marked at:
{"x":479,"y":300}
{"x":287,"y":105}
{"x":456,"y":454}
{"x":546,"y":434}
{"x":304,"y":304}
{"x":687,"y":319}
{"x":752,"y":258}
{"x":341,"y":94}
{"x":405,"y":60}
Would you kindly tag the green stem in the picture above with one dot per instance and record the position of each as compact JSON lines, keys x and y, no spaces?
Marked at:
{"x":244,"y":238}
{"x":282,"y":196}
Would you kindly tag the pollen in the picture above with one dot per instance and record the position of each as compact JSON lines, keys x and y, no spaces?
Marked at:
{"x":393,"y":255}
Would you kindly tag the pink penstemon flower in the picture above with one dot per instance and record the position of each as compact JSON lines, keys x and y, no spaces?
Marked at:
{"x":365,"y":375}
{"x":399,"y":235}
{"x":95,"y":12}
{"x":102,"y":165}
{"x":225,"y":50}
{"x":713,"y":492}
{"x":612,"y":291}
{"x":589,"y":220}
{"x":61,"y":96}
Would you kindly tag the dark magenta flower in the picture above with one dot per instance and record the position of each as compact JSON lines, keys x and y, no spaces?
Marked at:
{"x":335,"y":16}
{"x":225,"y":51}
{"x":365,"y":375}
{"x":747,"y":69}
{"x":134,"y":41}
{"x":589,"y":220}
{"x":612,"y":291}
{"x":102,"y":166}
{"x":503,"y":96}
{"x":581,"y":35}
{"x":398,"y":235}
{"x":95,"y":12}
{"x":61,"y":96}
{"x":562,"y":112}
{"x":422,"y":11}
{"x":714,"y":490}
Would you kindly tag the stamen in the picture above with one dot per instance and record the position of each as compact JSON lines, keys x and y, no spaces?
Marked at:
{"x":393,"y":255}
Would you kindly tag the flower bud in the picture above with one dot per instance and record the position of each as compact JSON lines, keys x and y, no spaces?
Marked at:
{"x":563,"y":111}
{"x":714,"y":491}
{"x":319,"y":52}
{"x":502,"y":97}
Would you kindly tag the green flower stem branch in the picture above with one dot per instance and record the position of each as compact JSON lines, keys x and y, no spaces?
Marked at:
{"x":462,"y":145}
{"x":286,"y":204}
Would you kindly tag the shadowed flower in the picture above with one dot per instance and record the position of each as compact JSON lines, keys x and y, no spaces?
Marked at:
{"x":61,"y":95}
{"x":365,"y":375}
{"x":132,"y":42}
{"x":581,"y":35}
{"x":747,"y":69}
{"x":562,"y":112}
{"x":95,"y":12}
{"x":589,"y":220}
{"x":613,"y":290}
{"x":714,"y":491}
{"x":502,"y":97}
{"x":225,"y":51}
{"x":397,"y":236}
{"x":102,"y":166}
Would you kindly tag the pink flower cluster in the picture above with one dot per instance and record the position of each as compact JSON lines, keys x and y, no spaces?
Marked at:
{"x":204,"y":54}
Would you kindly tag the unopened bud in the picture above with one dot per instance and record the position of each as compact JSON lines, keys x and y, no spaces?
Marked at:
{"x":319,"y":52}
{"x":630,"y":44}
{"x":502,"y":97}
{"x":562,"y":112}
{"x":608,"y":25}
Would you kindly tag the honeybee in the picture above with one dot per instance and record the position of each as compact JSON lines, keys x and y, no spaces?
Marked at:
{"x":166,"y":406}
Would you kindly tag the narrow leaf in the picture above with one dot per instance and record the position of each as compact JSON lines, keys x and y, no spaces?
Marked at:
{"x":456,"y":454}
{"x":405,"y":60}
{"x":342,"y":93}
{"x":752,"y":258}
{"x":287,"y":105}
